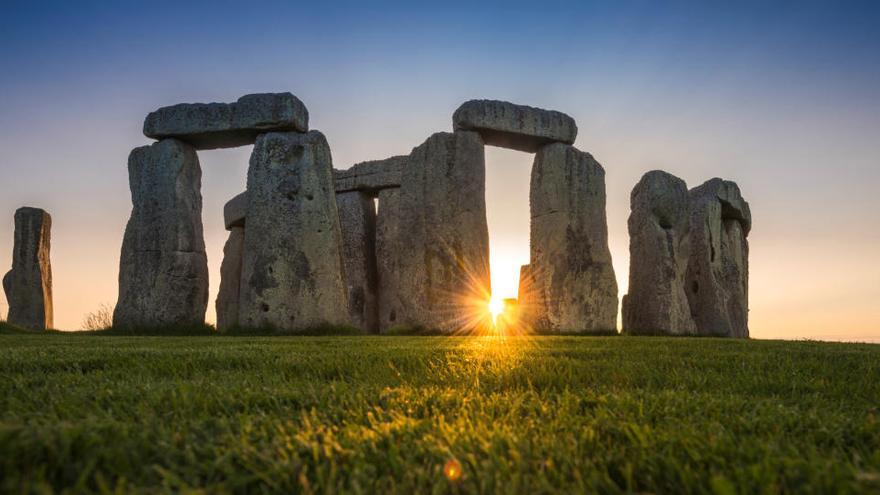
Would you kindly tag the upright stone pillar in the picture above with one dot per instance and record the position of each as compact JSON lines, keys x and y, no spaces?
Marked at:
{"x":163,"y":270}
{"x":570,"y":259}
{"x":28,"y":285}
{"x":230,"y":280}
{"x":234,"y":218}
{"x":717,"y":280}
{"x":357,"y":216}
{"x":658,"y":253}
{"x":292,"y":276}
{"x":440,"y":263}
{"x":389,"y":258}
{"x":526,"y":298}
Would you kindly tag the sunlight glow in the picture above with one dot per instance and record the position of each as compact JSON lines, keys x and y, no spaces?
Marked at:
{"x":496,"y":307}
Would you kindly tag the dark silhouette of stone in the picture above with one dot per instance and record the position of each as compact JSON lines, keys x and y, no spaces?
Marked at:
{"x":235,"y":211}
{"x":357,"y":216}
{"x":230,"y":280}
{"x":28,"y":285}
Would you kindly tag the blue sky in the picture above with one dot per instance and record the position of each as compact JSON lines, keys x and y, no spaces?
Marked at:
{"x":782,"y":97}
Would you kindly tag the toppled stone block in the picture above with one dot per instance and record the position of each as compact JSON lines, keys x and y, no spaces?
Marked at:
{"x":371,"y":176}
{"x":235,"y":211}
{"x":230,"y":279}
{"x":224,"y":125}
{"x":357,"y":216}
{"x":570,"y":260}
{"x":659,"y":248}
{"x":28,"y":285}
{"x":717,"y":279}
{"x":517,"y":127}
{"x":163,"y":269}
{"x":292,"y":276}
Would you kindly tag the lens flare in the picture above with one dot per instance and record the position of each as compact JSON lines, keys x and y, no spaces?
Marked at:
{"x":496,"y":307}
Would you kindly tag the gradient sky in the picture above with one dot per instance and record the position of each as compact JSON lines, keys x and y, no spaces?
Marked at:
{"x":781,"y":97}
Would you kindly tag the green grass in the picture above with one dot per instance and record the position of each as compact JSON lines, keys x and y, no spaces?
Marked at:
{"x":383,"y":415}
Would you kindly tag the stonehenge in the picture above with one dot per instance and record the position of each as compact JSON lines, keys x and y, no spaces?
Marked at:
{"x":441,"y":270}
{"x":658,"y":252}
{"x":291,"y":269}
{"x":208,"y":126}
{"x":570,"y":262}
{"x":357,"y":216}
{"x":28,"y":286}
{"x":517,"y":127}
{"x":163,"y":268}
{"x":688,"y":258}
{"x":717,"y":281}
{"x":404,"y":242}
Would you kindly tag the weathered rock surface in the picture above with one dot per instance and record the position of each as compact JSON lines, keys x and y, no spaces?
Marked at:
{"x":371,"y":176}
{"x":230,"y":280}
{"x":235,"y":211}
{"x":225,"y":125}
{"x":433,"y":238}
{"x":292,"y":276}
{"x":391,"y":249}
{"x":163,"y":270}
{"x":658,"y":247}
{"x":717,"y":280}
{"x":28,"y":285}
{"x":357,"y":216}
{"x":526,"y":297}
{"x":570,"y":258}
{"x":518,"y":127}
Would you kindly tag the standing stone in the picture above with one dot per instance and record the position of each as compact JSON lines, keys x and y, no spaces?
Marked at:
{"x":28,"y":285}
{"x":658,"y":249}
{"x":570,"y":259}
{"x":357,"y":216}
{"x":390,"y":253}
{"x":163,"y":269}
{"x":526,"y":297}
{"x":230,"y":280}
{"x":292,"y":276}
{"x":439,"y":265}
{"x":224,"y":125}
{"x":517,"y":127}
{"x":717,"y":280}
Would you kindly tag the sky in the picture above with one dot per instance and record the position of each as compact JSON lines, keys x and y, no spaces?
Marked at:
{"x":781,"y":97}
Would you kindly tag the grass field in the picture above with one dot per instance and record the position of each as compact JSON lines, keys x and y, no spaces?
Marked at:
{"x":437,"y":415}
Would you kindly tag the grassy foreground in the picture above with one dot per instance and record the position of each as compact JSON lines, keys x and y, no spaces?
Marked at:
{"x":403,"y":414}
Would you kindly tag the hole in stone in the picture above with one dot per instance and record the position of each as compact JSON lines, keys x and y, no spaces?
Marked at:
{"x":309,"y":197}
{"x":291,"y":196}
{"x":393,"y":315}
{"x":264,"y":307}
{"x":224,"y":175}
{"x":695,"y":287}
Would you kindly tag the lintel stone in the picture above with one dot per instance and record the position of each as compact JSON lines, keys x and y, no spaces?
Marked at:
{"x":517,"y":127}
{"x":225,"y":125}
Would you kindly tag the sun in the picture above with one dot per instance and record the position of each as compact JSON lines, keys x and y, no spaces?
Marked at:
{"x":496,"y":307}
